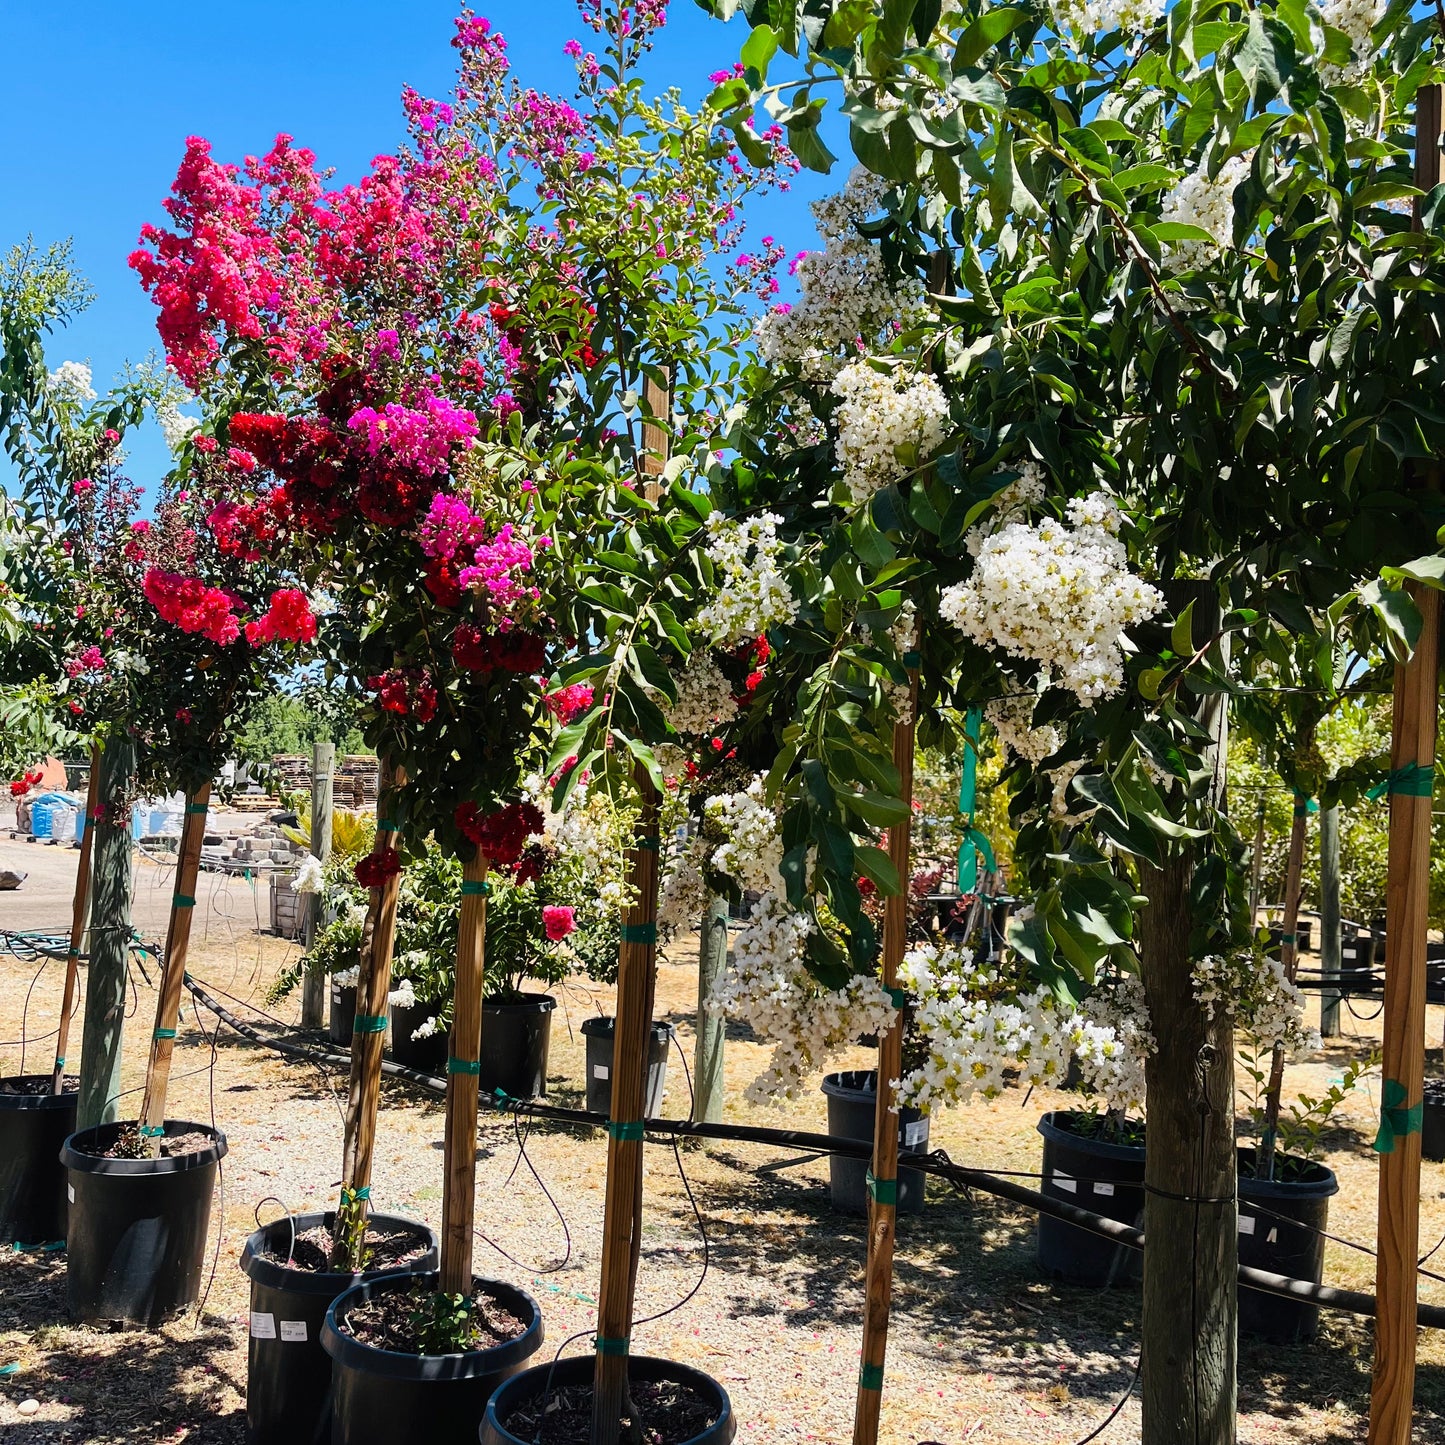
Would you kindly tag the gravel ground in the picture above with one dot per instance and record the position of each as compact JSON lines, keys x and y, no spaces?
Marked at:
{"x":982,"y":1349}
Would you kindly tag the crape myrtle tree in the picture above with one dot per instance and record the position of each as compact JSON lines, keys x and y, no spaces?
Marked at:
{"x":1188,"y":336}
{"x":441,"y":390}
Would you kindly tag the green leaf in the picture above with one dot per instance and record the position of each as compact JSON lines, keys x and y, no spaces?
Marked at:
{"x":1181,"y":638}
{"x":874,"y":863}
{"x":985,"y":33}
{"x":758,"y":51}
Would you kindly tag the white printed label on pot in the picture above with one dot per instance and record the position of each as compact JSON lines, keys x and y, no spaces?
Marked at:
{"x":293,"y":1330}
{"x":599,"y":1071}
{"x":263,"y":1326}
{"x":915,"y":1133}
{"x":1065,"y":1181}
{"x":1102,"y":1188}
{"x":1246,"y":1224}
{"x":70,"y":1191}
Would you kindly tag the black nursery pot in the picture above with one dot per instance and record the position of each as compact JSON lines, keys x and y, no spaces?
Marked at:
{"x":1099,"y":1176}
{"x":852,"y":1109}
{"x":1292,"y":1245}
{"x":428,"y":1054}
{"x":32,"y":1179}
{"x":384,"y":1397}
{"x":342,"y":1015}
{"x":516,"y":1035}
{"x":288,"y":1373}
{"x":138,"y":1227}
{"x":523,"y":1389}
{"x":601,"y":1035}
{"x":1432,"y":1125}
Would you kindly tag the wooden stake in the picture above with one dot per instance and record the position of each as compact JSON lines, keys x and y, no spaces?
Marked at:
{"x":712,"y":957}
{"x":313,"y":983}
{"x":459,"y":1200}
{"x":79,"y":914}
{"x":173,"y":967}
{"x":1407,"y":906}
{"x":372,"y":986}
{"x":1330,"y":921}
{"x":883,"y":1181}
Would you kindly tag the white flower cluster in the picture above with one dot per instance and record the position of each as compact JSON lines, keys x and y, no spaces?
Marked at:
{"x":704,"y":696}
{"x":308,"y":877}
{"x":403,"y":995}
{"x":753,"y":853}
{"x":767,"y":986}
{"x":1026,"y":490}
{"x":1207,"y":202}
{"x":752,"y":592}
{"x":1088,"y":18}
{"x":71,"y":382}
{"x":684,"y":893}
{"x":889,"y":421}
{"x":1112,"y":1037}
{"x":847,"y":300}
{"x":175,"y":425}
{"x":1357,"y":18}
{"x":1060,"y":595}
{"x":1012,"y":718}
{"x":1255,"y":991}
{"x":346,"y":977}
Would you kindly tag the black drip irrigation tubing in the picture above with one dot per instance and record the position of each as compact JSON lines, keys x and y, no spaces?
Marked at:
{"x":937,"y":1163}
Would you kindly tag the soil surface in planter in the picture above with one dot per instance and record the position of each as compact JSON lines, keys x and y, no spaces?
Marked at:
{"x":311,"y":1253}
{"x":670,"y":1414}
{"x":384,"y":1322}
{"x":33,"y":1086}
{"x":174,"y":1146}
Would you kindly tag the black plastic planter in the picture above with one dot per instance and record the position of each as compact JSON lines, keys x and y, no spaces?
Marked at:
{"x":1432,"y":1126}
{"x":524,"y":1388}
{"x":33,"y":1126}
{"x":384,"y":1397}
{"x":516,"y":1036}
{"x":342,"y":1015}
{"x":138,"y":1227}
{"x":288,"y":1373}
{"x":428,"y":1054}
{"x":1292,"y":1245}
{"x":852,"y":1107}
{"x":601,"y":1035}
{"x":1097,"y":1175}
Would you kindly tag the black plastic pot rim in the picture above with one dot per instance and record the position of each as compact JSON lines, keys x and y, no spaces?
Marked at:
{"x":67,"y":1099}
{"x":78,"y":1151}
{"x":346,"y":1350}
{"x":542,"y":1003}
{"x":1315,"y":1187}
{"x":257,"y":1265}
{"x":1086,"y":1143}
{"x":839,"y":1086}
{"x":604,"y":1026}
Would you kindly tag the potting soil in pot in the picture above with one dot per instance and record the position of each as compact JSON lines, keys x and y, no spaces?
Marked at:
{"x":671,"y":1413}
{"x":130,"y":1145}
{"x":311,"y":1249}
{"x":35,"y":1086}
{"x":385,"y":1321}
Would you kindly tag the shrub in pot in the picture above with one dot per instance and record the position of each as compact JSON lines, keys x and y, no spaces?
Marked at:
{"x":34,"y":1124}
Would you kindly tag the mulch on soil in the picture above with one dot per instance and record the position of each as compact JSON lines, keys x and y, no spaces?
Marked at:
{"x":385,"y":1320}
{"x":310,"y":1251}
{"x":666,"y":1413}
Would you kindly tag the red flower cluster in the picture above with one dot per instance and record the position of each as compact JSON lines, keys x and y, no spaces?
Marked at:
{"x":373,"y":870}
{"x":21,"y":786}
{"x":408,"y":692}
{"x":501,"y":836}
{"x":512,"y":651}
{"x":569,"y":702}
{"x":187,"y":603}
{"x":289,"y":618}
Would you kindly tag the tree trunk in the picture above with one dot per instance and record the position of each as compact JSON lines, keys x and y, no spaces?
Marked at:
{"x":79,"y":919}
{"x":1190,"y":1214}
{"x":105,"y":980}
{"x":1330,"y":920}
{"x":313,"y":983}
{"x":712,"y":956}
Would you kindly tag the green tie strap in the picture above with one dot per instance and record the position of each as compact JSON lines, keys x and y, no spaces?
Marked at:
{"x":912,"y":659}
{"x":198,"y":810}
{"x":1395,"y":1119}
{"x":183,"y":900}
{"x":628,"y":1132}
{"x":464,"y":1066}
{"x":882,"y":1191}
{"x":152,"y":1131}
{"x":898,"y":997}
{"x":164,"y":1034}
{"x":870,"y":1377}
{"x":639,"y":933}
{"x":386,"y":825}
{"x":368,"y":1024}
{"x":648,"y":841}
{"x":350,"y":1196}
{"x":475,"y":887}
{"x":1414,"y":780}
{"x":606,"y":1346}
{"x":60,"y":1061}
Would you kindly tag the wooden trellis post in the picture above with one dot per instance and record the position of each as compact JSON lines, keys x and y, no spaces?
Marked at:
{"x":463,"y":1068}
{"x":636,"y":986}
{"x":372,"y":986}
{"x":313,"y":984}
{"x":883,"y":1177}
{"x":173,"y":966}
{"x":1407,"y":908}
{"x":79,"y":915}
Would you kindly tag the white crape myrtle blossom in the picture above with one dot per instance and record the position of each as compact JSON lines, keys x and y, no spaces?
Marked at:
{"x":403,"y":995}
{"x":752,"y":593}
{"x":1357,"y":18}
{"x":1087,"y":18}
{"x":71,"y":382}
{"x":427,"y":1027}
{"x":889,"y":421}
{"x":175,"y":425}
{"x":1206,"y":201}
{"x":346,"y":977}
{"x":684,"y":894}
{"x":309,"y":876}
{"x":1057,"y":594}
{"x":1255,"y":991}
{"x":1012,"y":718}
{"x":704,"y":696}
{"x":752,"y":854}
{"x":767,"y":986}
{"x":1112,"y":1037}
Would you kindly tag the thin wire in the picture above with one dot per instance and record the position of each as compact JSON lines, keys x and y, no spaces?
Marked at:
{"x":1114,"y":1413}
{"x":220,"y":1163}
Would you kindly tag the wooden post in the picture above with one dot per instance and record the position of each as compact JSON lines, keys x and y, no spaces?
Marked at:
{"x":1330,"y":921}
{"x":313,"y":984}
{"x":883,"y":1182}
{"x":173,"y":966}
{"x":1407,"y":905}
{"x":459,"y":1200}
{"x":79,"y":914}
{"x":712,"y":957}
{"x":105,"y":980}
{"x":1256,"y":867}
{"x":372,"y":987}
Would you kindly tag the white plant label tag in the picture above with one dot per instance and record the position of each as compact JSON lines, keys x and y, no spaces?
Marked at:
{"x":1100,"y":1188}
{"x":70,"y":1191}
{"x":293,"y":1330}
{"x":599,"y":1071}
{"x":914,"y":1133}
{"x":1065,"y":1181}
{"x":1246,"y":1224}
{"x":263,"y":1326}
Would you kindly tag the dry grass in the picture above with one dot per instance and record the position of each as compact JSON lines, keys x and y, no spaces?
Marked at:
{"x":982,"y":1350}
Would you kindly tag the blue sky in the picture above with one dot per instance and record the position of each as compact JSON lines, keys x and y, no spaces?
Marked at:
{"x":101,"y":96}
